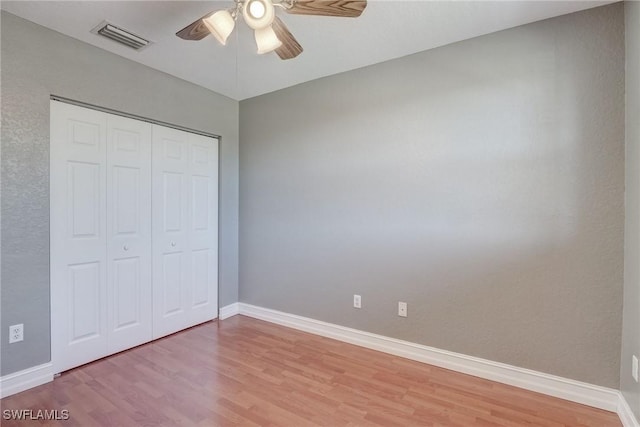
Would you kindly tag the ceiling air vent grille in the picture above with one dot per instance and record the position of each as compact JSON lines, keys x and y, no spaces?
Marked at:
{"x":120,"y":35}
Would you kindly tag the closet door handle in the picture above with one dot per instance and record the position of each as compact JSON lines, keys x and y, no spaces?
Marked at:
{"x":173,"y":244}
{"x":125,"y":247}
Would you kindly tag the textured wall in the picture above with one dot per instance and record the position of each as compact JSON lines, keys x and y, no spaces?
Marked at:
{"x":481,"y":182}
{"x":36,"y":63}
{"x":631,"y":317}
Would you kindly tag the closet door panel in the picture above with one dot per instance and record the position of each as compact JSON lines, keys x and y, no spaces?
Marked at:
{"x":78,"y":236}
{"x":204,"y":227}
{"x":84,"y":303}
{"x":201,"y":277}
{"x":172,"y":284}
{"x":127,"y":296}
{"x":171,"y":257}
{"x":129,"y":232}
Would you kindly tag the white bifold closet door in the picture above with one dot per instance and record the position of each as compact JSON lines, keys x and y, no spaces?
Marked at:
{"x":185,"y":206}
{"x":110,"y":288}
{"x":100,"y":234}
{"x":129,"y":261}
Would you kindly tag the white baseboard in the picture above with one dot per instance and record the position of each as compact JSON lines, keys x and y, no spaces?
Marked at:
{"x":626,"y":414}
{"x":26,"y":379}
{"x":564,"y":388}
{"x":228,"y":311}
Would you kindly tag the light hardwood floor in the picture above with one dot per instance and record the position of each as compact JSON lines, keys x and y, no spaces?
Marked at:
{"x":243,"y":371}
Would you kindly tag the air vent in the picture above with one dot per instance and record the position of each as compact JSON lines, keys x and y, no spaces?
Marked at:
{"x":120,"y":35}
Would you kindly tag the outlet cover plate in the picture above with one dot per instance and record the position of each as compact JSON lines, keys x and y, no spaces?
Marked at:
{"x":357,"y":301}
{"x":402,"y":309}
{"x":16,"y":333}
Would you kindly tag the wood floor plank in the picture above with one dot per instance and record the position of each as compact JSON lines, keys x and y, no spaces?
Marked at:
{"x":245,"y":372}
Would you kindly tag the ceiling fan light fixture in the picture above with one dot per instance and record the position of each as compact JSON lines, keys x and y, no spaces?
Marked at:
{"x":258,"y":14}
{"x":271,"y":34}
{"x":220,"y":24}
{"x":257,"y":9}
{"x":266,"y":40}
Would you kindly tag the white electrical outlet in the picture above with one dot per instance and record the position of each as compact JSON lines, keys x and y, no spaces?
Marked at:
{"x":357,"y":301}
{"x":16,"y":333}
{"x":634,"y":367}
{"x":402,"y":309}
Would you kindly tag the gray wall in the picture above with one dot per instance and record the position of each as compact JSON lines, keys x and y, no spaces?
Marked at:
{"x":37,"y":62}
{"x":481,"y":182}
{"x":631,"y":313}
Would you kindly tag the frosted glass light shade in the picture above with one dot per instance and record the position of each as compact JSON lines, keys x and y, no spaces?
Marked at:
{"x":220,"y":24}
{"x":267,"y":40}
{"x":257,"y":9}
{"x":258,"y":21}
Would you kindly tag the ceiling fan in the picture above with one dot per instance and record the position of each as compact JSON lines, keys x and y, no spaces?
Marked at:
{"x":270,"y":32}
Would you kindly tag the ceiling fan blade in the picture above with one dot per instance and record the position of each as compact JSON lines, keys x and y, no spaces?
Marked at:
{"x":194,"y":31}
{"x":340,"y":8}
{"x":290,"y":47}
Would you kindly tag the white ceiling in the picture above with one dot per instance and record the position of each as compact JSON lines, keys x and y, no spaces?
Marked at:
{"x":386,"y":30}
